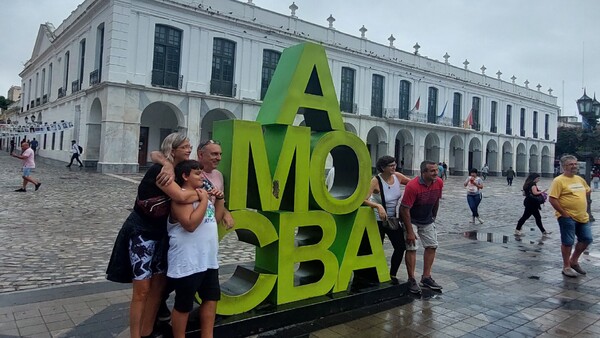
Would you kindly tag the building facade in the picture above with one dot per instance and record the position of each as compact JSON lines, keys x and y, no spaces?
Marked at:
{"x":127,"y":73}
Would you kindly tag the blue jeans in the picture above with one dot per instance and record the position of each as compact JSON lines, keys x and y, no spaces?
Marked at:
{"x":474,"y":201}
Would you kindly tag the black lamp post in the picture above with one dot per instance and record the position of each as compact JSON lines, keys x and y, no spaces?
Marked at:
{"x":589,"y":109}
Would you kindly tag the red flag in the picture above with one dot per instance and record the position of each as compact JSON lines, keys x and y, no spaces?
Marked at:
{"x":417,"y":105}
{"x":469,"y":121}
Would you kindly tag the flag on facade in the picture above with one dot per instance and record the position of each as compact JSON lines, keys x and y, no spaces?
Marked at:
{"x":443,"y":110}
{"x":417,"y":105}
{"x":469,"y":121}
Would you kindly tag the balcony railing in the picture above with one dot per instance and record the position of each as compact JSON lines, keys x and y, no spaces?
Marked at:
{"x":535,"y":134}
{"x":348,"y":107}
{"x":508,"y":131}
{"x":95,"y":77}
{"x":522,"y":132}
{"x":547,"y":136}
{"x":75,"y":86}
{"x":61,"y":92}
{"x":223,"y":88}
{"x":494,"y":129}
{"x":38,"y":101}
{"x":32,"y":104}
{"x":45,"y":98}
{"x":167,"y":79}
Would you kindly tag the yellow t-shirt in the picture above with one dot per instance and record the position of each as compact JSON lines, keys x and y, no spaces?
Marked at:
{"x":571,"y":195}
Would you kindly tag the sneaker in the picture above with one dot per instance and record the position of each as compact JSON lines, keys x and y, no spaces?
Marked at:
{"x":428,"y":282}
{"x":518,"y":233}
{"x":547,"y":233}
{"x":480,"y":220}
{"x":37,"y":186}
{"x":394,"y":280}
{"x":569,"y":272}
{"x":578,"y":268}
{"x":472,"y":221}
{"x":68,"y":166}
{"x":20,"y":190}
{"x":413,"y":287}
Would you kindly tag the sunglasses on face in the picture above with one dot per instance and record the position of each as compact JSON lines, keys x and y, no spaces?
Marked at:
{"x":207,"y":142}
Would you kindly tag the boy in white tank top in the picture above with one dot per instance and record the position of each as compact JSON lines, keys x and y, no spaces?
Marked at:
{"x":193,"y":249}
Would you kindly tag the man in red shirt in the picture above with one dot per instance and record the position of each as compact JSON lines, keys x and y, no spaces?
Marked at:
{"x":418,"y":211}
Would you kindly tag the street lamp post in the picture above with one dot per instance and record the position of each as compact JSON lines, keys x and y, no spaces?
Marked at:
{"x":589,"y":109}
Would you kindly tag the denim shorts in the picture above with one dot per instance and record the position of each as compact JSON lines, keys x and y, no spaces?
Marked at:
{"x":569,"y":228}
{"x":426,"y":234}
{"x":26,"y":172}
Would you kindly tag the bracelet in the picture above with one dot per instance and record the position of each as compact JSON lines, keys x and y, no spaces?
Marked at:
{"x":220,"y":198}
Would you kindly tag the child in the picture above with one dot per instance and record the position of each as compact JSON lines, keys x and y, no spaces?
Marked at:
{"x":193,"y":248}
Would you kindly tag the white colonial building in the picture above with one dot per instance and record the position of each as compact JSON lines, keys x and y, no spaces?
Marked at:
{"x":129,"y":72}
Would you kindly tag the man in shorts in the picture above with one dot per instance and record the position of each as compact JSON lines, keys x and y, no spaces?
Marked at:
{"x":28,"y":158}
{"x":418,"y":210}
{"x":568,"y":196}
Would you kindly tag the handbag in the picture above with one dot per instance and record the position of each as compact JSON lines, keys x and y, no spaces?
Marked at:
{"x":155,"y":207}
{"x":392,"y":223}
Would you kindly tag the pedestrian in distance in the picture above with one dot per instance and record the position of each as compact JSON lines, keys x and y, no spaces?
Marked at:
{"x":440,"y":170}
{"x":485,"y":171}
{"x":388,"y":184}
{"x":445,"y":174}
{"x":474,"y":184}
{"x":28,"y":158}
{"x":139,"y":255}
{"x":510,"y":175}
{"x":533,"y":201}
{"x":34,"y":145}
{"x":418,"y":210}
{"x":193,"y":250}
{"x":75,"y":152}
{"x":568,"y":196}
{"x":12,"y":145}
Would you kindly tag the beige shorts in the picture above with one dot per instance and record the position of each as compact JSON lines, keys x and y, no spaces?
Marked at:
{"x":426,"y":234}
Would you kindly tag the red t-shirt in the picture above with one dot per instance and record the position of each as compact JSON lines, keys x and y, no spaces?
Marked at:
{"x":421,"y":199}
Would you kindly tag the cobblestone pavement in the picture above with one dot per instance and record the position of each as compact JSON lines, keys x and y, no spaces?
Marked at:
{"x":61,"y":237}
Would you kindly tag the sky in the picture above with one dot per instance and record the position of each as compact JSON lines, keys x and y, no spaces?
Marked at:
{"x":555,"y":43}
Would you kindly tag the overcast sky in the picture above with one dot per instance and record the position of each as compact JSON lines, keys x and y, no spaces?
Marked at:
{"x":555,"y":43}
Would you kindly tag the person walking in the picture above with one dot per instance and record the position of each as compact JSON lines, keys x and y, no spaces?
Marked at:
{"x":484,"y":171}
{"x":139,"y":254}
{"x":28,"y":157}
{"x":474,"y":184}
{"x":445,"y":174}
{"x":385,"y":191}
{"x":532,"y":204}
{"x":34,"y":145}
{"x":418,"y":210}
{"x":75,"y":154}
{"x":510,"y":175}
{"x":568,"y":196}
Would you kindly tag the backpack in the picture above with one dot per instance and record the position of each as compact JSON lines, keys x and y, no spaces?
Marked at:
{"x":80,"y":149}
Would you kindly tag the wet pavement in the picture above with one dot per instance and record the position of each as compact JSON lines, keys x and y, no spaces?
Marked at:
{"x":55,"y":244}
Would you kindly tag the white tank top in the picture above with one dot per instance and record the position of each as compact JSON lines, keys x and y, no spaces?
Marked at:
{"x":193,"y":252}
{"x":392,"y":194}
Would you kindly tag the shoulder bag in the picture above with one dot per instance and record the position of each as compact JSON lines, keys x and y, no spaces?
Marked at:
{"x":392,"y":223}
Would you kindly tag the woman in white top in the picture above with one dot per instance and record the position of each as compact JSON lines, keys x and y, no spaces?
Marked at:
{"x":392,"y":183}
{"x":474,"y":184}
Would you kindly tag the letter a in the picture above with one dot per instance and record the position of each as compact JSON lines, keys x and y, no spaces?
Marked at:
{"x":302,"y":83}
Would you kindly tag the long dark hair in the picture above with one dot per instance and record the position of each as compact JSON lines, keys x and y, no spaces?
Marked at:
{"x":529,"y":182}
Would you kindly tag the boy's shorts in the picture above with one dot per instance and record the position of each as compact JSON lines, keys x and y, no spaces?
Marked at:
{"x":206,"y":283}
{"x":426,"y":234}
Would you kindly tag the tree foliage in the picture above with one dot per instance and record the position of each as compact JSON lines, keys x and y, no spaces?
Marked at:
{"x":4,"y":102}
{"x":576,"y":141}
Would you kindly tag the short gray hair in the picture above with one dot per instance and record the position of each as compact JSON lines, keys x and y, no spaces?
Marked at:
{"x":424,"y":165}
{"x":565,"y":158}
{"x":172,"y":141}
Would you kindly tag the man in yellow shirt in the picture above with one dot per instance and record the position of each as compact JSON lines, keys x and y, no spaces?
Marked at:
{"x":568,"y":196}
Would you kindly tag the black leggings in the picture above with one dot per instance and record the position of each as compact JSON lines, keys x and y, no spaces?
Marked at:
{"x":397,"y":239}
{"x":529,"y":211}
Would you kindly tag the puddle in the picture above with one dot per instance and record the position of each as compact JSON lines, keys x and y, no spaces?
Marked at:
{"x":487,"y":237}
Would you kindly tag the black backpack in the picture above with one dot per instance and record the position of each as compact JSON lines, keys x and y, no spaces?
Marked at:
{"x":80,"y":149}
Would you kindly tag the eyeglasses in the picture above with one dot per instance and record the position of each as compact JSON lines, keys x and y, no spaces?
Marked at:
{"x":186,"y":147}
{"x":391,"y":165}
{"x":207,"y":142}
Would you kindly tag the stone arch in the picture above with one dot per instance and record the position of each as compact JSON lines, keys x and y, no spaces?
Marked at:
{"x":456,"y":159}
{"x":546,"y":162}
{"x":350,"y":128}
{"x":206,"y":125}
{"x":533,"y":159}
{"x":157,"y":120}
{"x":491,"y":157}
{"x":94,"y":133}
{"x":521,"y":159}
{"x":432,"y":147}
{"x":475,"y":159}
{"x":507,"y":156}
{"x":404,"y":150}
{"x":376,"y":144}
